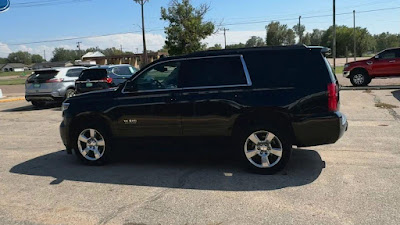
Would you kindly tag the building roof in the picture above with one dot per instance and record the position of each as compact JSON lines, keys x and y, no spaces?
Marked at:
{"x":96,"y":54}
{"x":1,"y":65}
{"x":15,"y":65}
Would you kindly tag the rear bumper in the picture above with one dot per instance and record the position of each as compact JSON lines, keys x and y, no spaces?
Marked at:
{"x":320,"y":129}
{"x":42,"y":97}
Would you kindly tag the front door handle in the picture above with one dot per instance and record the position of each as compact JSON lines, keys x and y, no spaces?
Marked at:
{"x":392,"y":61}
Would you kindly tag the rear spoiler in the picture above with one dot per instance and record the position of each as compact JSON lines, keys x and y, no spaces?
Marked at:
{"x":324,"y":50}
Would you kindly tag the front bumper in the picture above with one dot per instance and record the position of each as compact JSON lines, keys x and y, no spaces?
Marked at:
{"x":346,"y":74}
{"x":64,"y":133}
{"x":320,"y":129}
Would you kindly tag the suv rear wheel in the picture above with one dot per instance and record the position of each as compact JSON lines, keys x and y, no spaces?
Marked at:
{"x":91,"y":144}
{"x":265,"y":150}
{"x":69,"y":93}
{"x":360,"y":78}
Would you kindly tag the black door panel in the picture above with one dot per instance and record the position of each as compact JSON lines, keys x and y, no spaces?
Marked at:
{"x":148,"y":114}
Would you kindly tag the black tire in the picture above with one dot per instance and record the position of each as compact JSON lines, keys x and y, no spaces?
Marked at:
{"x":38,"y":103}
{"x":69,"y":93}
{"x":360,"y":78}
{"x":104,"y":152}
{"x":282,"y":136}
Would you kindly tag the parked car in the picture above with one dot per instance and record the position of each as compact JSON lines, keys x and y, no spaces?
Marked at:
{"x":51,"y":85}
{"x":103,"y":77}
{"x":266,"y":102}
{"x":384,"y":64}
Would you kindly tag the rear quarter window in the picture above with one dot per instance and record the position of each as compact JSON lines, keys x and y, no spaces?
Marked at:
{"x":287,"y":68}
{"x":213,"y":71}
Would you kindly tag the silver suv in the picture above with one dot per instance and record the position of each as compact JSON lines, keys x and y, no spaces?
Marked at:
{"x":51,"y":85}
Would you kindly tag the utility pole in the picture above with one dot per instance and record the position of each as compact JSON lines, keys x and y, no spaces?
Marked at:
{"x":354,"y":35}
{"x":142,"y":2}
{"x":334,"y":36}
{"x":44,"y":55}
{"x":78,"y":45}
{"x":299,"y":29}
{"x":225,"y":35}
{"x":121,"y":48}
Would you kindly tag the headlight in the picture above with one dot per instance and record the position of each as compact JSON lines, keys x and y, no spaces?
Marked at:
{"x":64,"y":106}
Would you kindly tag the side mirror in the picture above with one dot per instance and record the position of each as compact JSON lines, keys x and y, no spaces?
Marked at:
{"x":376,"y":57}
{"x":130,"y":86}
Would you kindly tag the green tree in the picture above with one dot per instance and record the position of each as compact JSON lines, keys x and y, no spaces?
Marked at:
{"x":240,"y":45}
{"x":20,"y":57}
{"x":37,"y":58}
{"x":112,"y":51}
{"x":344,"y":38}
{"x":215,"y":47}
{"x":255,"y":41}
{"x":62,"y":54}
{"x":186,"y":27}
{"x":386,"y":40}
{"x":299,"y":30}
{"x":290,"y":38}
{"x":278,"y":34}
{"x":307,"y":39}
{"x":3,"y":60}
{"x":316,"y":37}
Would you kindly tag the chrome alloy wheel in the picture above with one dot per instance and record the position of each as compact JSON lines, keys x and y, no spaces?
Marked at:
{"x":263,"y":149}
{"x":358,"y":79}
{"x":91,"y":144}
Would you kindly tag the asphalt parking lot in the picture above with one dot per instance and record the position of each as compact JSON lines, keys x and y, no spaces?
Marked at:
{"x":354,"y":181}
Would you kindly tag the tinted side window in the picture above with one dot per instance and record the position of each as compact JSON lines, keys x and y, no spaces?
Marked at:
{"x":389,"y":54}
{"x":74,"y":72}
{"x":93,"y":74}
{"x":397,"y":53}
{"x":161,"y":76}
{"x":287,"y":68}
{"x":216,"y":71}
{"x":122,"y":71}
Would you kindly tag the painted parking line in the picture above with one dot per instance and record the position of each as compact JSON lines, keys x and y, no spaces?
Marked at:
{"x":12,"y":99}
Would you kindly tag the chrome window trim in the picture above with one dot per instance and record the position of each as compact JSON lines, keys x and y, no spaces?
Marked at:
{"x":246,"y":72}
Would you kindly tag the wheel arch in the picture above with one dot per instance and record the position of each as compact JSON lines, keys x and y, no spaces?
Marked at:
{"x":353,"y":71}
{"x":278,"y":118}
{"x":86,"y":118}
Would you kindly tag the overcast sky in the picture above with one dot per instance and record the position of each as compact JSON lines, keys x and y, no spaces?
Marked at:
{"x":37,"y":20}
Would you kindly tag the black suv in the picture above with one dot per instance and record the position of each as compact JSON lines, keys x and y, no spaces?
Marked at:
{"x":267,"y":98}
{"x":103,"y":77}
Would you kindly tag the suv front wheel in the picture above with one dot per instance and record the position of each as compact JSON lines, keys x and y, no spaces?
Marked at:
{"x":92,"y":145}
{"x":265,"y":150}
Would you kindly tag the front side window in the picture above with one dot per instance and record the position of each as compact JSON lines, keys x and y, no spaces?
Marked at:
{"x":213,"y":71}
{"x":160,"y":76}
{"x":390,"y":54}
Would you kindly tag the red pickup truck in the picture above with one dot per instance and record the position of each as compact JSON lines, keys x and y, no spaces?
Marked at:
{"x":384,"y":64}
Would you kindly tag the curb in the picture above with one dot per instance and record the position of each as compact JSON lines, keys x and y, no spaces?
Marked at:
{"x":12,"y":99}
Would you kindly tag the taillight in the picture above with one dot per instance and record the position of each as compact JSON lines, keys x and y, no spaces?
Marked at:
{"x":108,"y":80}
{"x":333,"y":96}
{"x":55,"y":80}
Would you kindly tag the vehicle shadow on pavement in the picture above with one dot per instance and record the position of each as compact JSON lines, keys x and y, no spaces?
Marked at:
{"x":205,"y":170}
{"x":396,"y":94}
{"x":27,"y":108}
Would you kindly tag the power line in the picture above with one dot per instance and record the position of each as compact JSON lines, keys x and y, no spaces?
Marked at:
{"x":308,"y":17}
{"x":44,"y":3}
